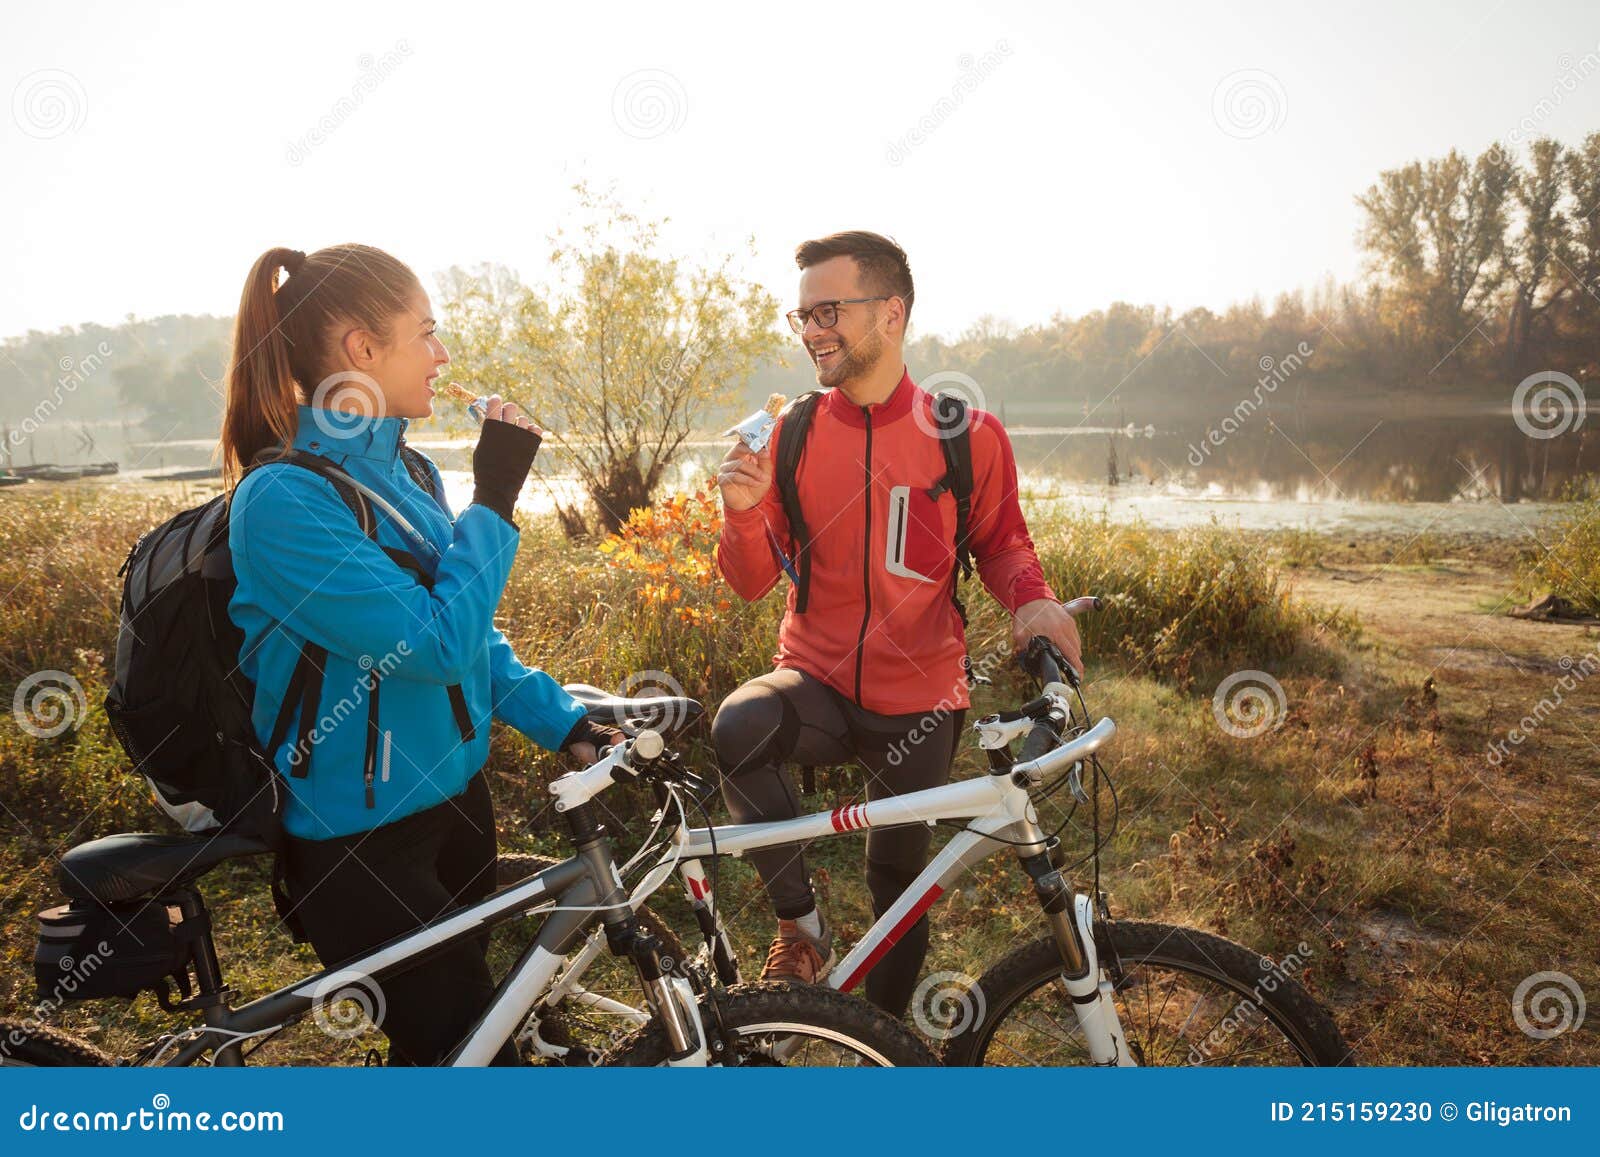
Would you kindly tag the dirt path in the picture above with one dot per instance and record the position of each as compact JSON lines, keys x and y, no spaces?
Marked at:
{"x":1520,"y":702}
{"x":1450,"y":616}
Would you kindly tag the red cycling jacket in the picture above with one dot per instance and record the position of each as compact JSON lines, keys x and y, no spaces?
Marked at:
{"x":880,"y":626}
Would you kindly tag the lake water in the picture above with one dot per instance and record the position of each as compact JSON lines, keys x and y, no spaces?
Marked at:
{"x":1476,"y":473}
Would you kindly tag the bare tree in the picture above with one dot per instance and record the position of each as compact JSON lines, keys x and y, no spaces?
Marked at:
{"x":621,"y":355}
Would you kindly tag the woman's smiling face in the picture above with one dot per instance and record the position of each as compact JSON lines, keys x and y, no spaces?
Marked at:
{"x":405,"y":367}
{"x":399,"y":367}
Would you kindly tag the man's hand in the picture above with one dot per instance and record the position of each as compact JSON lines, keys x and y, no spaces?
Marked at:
{"x":744,"y":477}
{"x":1046,"y":617}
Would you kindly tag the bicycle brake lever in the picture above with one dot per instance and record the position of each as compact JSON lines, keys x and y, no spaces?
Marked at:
{"x":1075,"y":783}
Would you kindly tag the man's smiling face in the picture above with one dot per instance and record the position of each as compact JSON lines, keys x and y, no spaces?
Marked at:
{"x":849,"y":348}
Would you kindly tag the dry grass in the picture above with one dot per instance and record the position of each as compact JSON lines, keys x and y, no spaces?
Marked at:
{"x":1369,"y":824}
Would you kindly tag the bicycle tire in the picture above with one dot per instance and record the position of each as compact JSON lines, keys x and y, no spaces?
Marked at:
{"x":41,"y":1047}
{"x":1305,"y":1025}
{"x":759,"y":1013}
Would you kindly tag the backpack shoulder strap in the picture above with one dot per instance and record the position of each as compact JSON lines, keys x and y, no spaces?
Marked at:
{"x":416,"y":464}
{"x":786,"y":464}
{"x":351,"y":494}
{"x":953,"y":417}
{"x":304,"y":690}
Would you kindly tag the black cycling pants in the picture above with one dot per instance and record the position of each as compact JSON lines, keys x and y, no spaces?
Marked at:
{"x":787,"y":717}
{"x":354,"y":892}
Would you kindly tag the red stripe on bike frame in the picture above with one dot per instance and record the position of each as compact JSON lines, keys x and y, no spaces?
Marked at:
{"x":699,"y":888}
{"x":894,"y":935}
{"x":851,"y":818}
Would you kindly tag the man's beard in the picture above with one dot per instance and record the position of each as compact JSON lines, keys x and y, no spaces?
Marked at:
{"x":855,"y":363}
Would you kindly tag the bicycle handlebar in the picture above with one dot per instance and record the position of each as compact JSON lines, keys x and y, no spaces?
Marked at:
{"x":1040,"y":740}
{"x":644,"y":756}
{"x":1044,"y":660}
{"x":1085,"y":745}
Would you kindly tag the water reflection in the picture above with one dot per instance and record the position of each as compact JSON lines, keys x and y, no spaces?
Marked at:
{"x":1366,"y":458}
{"x":1294,"y":467}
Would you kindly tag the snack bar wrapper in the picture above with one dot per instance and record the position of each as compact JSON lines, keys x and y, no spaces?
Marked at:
{"x":756,"y":430}
{"x":476,"y":406}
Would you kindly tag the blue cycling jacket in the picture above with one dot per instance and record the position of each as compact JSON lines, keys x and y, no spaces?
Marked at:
{"x":413,"y":671}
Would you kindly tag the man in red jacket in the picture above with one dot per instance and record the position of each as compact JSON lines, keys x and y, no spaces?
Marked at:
{"x":878,"y":652}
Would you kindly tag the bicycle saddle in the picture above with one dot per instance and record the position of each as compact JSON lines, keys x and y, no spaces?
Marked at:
{"x":132,"y":864}
{"x":668,"y":714}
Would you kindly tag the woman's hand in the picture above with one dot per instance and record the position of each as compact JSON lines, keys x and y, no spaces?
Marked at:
{"x":507,"y":443}
{"x":587,"y":737}
{"x":496,"y":410}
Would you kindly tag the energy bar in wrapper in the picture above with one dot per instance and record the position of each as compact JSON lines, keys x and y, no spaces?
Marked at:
{"x":476,"y":406}
{"x":756,"y":430}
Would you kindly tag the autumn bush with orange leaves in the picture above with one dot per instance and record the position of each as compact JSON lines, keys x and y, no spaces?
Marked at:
{"x":681,"y":618}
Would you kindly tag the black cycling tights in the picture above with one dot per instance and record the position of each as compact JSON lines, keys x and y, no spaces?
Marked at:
{"x":354,"y":892}
{"x":789,"y":717}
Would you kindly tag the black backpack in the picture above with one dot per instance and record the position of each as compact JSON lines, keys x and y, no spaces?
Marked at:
{"x":178,"y":702}
{"x":950,"y":413}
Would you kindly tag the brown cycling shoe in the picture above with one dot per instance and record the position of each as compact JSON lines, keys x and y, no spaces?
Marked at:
{"x":795,"y":957}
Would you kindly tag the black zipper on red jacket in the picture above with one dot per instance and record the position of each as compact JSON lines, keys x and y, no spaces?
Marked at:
{"x":866,"y":561}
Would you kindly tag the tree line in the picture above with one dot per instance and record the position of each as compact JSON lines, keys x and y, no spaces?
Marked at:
{"x":1479,"y":271}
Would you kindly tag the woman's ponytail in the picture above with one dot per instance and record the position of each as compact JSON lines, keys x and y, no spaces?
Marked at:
{"x":261,"y":400}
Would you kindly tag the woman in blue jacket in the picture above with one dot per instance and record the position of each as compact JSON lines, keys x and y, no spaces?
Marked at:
{"x":376,"y":661}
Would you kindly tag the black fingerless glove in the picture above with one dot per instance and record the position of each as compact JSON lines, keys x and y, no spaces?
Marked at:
{"x":586,"y":730}
{"x":500,"y":465}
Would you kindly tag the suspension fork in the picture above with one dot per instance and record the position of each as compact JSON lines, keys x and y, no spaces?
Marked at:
{"x":670,"y":999}
{"x":698,"y":889}
{"x":1071,"y":919}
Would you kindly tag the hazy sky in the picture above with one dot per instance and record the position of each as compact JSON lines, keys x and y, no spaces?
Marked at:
{"x":1032,"y":158}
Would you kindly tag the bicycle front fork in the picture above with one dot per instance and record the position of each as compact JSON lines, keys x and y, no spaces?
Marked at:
{"x":670,"y":997}
{"x":1071,"y":919}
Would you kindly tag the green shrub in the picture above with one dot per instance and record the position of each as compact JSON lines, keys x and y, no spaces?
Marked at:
{"x":1570,"y":567}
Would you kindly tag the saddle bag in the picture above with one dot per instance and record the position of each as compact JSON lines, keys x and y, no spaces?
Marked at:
{"x":89,"y":951}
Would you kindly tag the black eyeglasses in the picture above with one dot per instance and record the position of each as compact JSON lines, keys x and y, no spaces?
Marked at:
{"x":825,"y":313}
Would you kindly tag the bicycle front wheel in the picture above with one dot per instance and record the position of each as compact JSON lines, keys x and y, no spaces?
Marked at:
{"x":788,"y":1025}
{"x":1186,"y":998}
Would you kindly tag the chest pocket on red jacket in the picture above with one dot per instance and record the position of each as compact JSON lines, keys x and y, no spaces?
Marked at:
{"x":917,"y":547}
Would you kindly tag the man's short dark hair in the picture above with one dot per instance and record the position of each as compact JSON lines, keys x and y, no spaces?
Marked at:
{"x":883,"y":265}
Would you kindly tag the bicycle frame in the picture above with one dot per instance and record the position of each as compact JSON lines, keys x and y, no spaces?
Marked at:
{"x":999,"y":814}
{"x":585,"y":892}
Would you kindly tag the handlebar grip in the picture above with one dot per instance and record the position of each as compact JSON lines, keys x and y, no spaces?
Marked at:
{"x":1039,"y":660}
{"x":1041,"y":739}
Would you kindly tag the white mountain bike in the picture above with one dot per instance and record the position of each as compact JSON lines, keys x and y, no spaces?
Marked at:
{"x":1091,"y":990}
{"x":139,"y":892}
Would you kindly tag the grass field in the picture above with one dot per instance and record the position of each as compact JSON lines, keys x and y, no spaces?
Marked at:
{"x":1428,"y":872}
